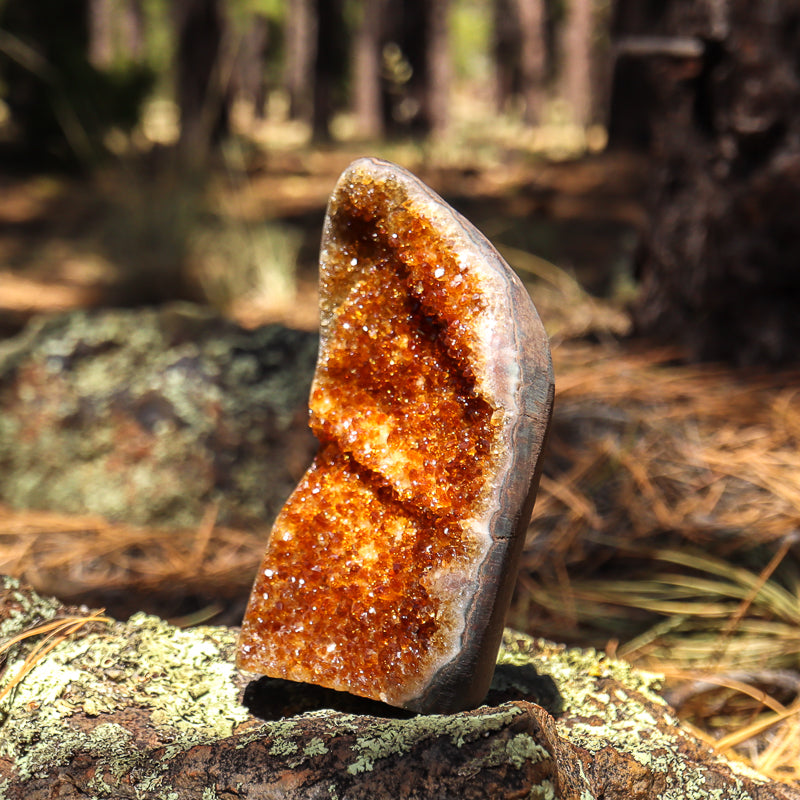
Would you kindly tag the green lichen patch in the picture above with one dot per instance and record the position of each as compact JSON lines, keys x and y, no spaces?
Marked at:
{"x":316,"y":747}
{"x":568,"y":664}
{"x":516,"y":751}
{"x":117,"y":754}
{"x":134,"y":696}
{"x":162,"y":668}
{"x":148,"y":415}
{"x":395,"y":737}
{"x":374,"y":739}
{"x":611,"y":704}
{"x":19,"y":610}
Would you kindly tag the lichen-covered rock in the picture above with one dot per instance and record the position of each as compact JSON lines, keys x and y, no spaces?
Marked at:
{"x":150,"y":415}
{"x":144,"y":710}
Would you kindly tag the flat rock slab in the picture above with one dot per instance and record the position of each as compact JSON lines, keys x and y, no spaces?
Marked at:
{"x":144,"y":710}
{"x":148,"y":416}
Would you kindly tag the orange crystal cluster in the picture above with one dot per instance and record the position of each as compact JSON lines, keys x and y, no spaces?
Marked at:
{"x":372,"y":561}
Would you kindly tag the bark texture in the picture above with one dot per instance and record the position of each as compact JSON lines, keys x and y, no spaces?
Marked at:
{"x":719,"y":87}
{"x":143,"y":710}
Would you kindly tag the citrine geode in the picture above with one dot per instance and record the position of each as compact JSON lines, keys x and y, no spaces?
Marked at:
{"x":389,"y":570}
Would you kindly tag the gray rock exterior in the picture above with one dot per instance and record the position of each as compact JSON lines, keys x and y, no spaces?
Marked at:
{"x":144,"y":710}
{"x":150,"y":415}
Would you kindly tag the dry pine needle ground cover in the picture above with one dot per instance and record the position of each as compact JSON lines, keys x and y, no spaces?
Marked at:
{"x":666,"y":532}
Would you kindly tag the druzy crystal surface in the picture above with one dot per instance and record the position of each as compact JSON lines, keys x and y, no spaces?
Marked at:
{"x":375,"y":575}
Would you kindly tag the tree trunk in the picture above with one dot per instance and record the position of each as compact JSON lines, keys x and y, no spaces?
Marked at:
{"x":576,"y":60}
{"x":132,"y":26}
{"x":101,"y":33}
{"x":367,"y":70}
{"x":315,"y":62}
{"x":506,"y":48}
{"x":417,"y":85}
{"x":329,"y":65}
{"x":436,"y":106}
{"x":407,"y":70}
{"x":532,"y":55}
{"x":301,"y":53}
{"x":202,"y":95}
{"x":115,"y":29}
{"x":718,"y":265}
{"x":247,"y":80}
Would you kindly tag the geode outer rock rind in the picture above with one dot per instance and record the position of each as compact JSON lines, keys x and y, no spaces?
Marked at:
{"x":389,"y":571}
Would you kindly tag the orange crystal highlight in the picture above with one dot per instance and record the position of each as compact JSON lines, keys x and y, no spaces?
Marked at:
{"x":342,"y":598}
{"x":371,"y":562}
{"x":389,"y":393}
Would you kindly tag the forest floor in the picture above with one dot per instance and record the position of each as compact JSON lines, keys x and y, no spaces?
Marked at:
{"x":667,"y":517}
{"x":132,"y":233}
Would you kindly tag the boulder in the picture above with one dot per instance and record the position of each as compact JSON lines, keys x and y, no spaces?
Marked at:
{"x":144,"y":710}
{"x":151,"y":415}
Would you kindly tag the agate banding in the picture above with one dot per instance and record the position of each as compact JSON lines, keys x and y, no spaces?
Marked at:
{"x":389,"y":571}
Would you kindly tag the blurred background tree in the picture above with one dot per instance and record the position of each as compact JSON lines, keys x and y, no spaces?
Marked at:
{"x":71,"y":70}
{"x":393,"y":64}
{"x":522,"y":54}
{"x":708,"y":90}
{"x":712,"y":91}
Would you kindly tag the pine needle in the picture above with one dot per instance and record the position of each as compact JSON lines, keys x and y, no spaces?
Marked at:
{"x":57,"y":632}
